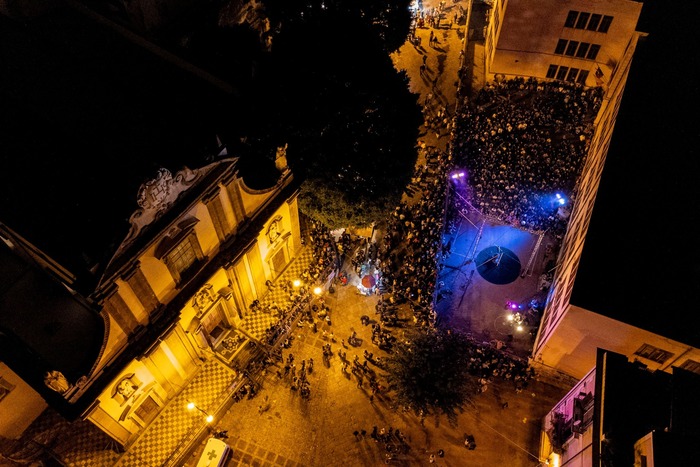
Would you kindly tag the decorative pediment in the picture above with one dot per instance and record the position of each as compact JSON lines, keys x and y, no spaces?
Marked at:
{"x":156,"y":196}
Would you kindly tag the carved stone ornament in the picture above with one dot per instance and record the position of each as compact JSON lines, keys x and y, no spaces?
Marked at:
{"x":204,"y":298}
{"x":56,"y":381}
{"x":154,"y":193}
{"x":125,"y":388}
{"x":274,"y":230}
{"x":156,"y":196}
{"x":281,"y":158}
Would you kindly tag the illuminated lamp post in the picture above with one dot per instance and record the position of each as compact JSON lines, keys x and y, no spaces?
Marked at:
{"x":208,"y":417}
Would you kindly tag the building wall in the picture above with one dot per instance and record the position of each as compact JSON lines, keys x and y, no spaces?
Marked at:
{"x":572,"y":348}
{"x":143,"y":286}
{"x":613,"y":83}
{"x":222,"y":298}
{"x":523,"y":36}
{"x":19,"y":404}
{"x":576,"y":448}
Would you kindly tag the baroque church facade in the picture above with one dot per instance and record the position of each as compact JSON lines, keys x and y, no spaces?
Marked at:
{"x":200,"y":248}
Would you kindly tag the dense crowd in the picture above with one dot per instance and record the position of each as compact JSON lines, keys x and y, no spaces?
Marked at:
{"x":486,"y":362}
{"x":409,"y":253}
{"x":522,"y":141}
{"x":516,"y":142}
{"x":327,"y":254}
{"x":521,"y":133}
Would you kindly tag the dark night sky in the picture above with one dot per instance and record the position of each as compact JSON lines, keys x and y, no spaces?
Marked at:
{"x":641,"y":261}
{"x":85,"y":118}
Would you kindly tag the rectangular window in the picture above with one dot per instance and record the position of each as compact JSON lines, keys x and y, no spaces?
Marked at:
{"x":653,"y":353}
{"x":182,"y":256}
{"x":594,"y":22}
{"x":573,"y":73}
{"x":571,"y":19}
{"x":605,"y":24}
{"x":691,"y":365}
{"x":582,"y":20}
{"x":571,"y":48}
{"x":561,"y":74}
{"x":593,"y":52}
{"x":582,"y":77}
{"x":551,"y":71}
{"x":5,"y":388}
{"x":582,"y":50}
{"x":561,"y":47}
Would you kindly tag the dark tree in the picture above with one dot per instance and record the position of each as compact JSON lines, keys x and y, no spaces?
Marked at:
{"x":389,"y":20}
{"x":321,"y":80}
{"x":331,"y":92}
{"x":429,"y":372}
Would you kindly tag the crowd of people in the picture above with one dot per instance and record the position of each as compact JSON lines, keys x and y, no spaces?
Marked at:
{"x":298,"y":309}
{"x":295,"y":376}
{"x":487,"y":363}
{"x":522,"y":141}
{"x":436,"y":17}
{"x":517,"y":127}
{"x":409,"y":252}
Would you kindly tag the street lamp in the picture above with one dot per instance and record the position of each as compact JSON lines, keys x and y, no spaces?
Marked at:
{"x":296,"y":283}
{"x":207,"y":417}
{"x":317,"y":291}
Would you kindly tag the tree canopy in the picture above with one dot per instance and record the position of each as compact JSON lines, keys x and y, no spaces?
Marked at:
{"x":388,"y":20}
{"x":329,"y":90}
{"x":430,"y":372}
